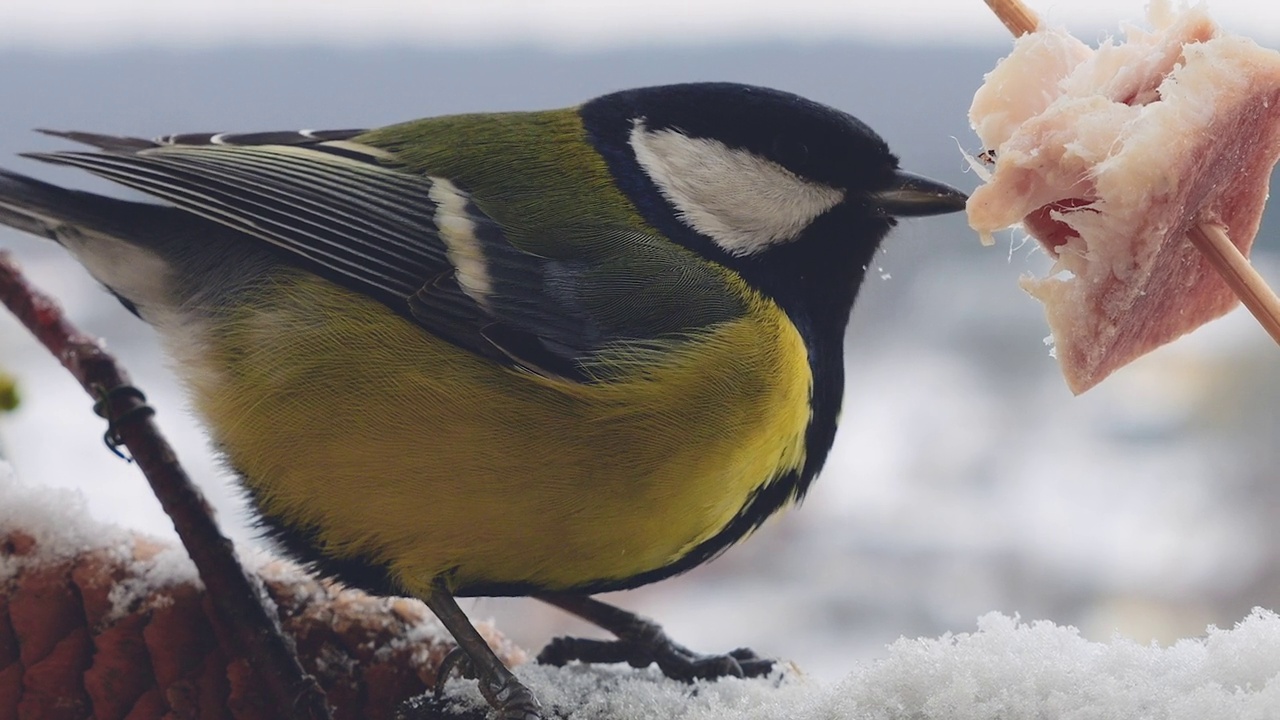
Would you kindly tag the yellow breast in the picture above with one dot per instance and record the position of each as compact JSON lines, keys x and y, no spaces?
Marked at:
{"x":403,"y":450}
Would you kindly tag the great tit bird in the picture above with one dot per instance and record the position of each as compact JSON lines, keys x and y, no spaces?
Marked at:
{"x":543,"y":353}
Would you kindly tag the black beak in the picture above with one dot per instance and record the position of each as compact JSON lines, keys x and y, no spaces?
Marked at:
{"x":916,"y":196}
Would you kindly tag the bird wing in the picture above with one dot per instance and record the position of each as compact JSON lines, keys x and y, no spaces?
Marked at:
{"x":421,"y":245}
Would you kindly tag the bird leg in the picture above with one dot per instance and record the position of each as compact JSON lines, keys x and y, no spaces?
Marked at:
{"x":641,"y":642}
{"x":510,"y":697}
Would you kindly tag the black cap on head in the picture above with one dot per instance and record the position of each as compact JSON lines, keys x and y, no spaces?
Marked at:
{"x":815,"y":141}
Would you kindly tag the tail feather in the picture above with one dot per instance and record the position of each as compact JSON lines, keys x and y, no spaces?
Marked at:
{"x":108,"y":236}
{"x":33,"y":206}
{"x":130,"y":247}
{"x":109,"y":143}
{"x":152,"y":257}
{"x":43,"y":209}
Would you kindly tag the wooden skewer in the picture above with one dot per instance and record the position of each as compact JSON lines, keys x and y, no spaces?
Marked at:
{"x":1020,"y":19}
{"x":1226,"y":258}
{"x":1211,"y":240}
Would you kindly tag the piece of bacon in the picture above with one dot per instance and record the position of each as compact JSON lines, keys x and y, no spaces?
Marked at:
{"x":1109,"y":157}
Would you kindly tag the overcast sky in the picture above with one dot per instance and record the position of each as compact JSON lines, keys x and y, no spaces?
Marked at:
{"x":568,"y":24}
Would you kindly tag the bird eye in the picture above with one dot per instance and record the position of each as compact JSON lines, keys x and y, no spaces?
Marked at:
{"x":789,"y":150}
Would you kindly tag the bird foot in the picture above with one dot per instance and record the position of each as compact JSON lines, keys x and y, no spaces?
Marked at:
{"x":508,"y":696}
{"x":512,"y":699}
{"x":645,"y":644}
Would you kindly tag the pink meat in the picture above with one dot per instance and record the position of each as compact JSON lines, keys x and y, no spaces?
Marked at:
{"x":1108,"y":157}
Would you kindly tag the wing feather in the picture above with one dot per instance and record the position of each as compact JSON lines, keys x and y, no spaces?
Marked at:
{"x":350,"y":213}
{"x":389,"y":248}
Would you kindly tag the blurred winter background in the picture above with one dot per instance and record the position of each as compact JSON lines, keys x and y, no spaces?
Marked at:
{"x":965,"y":478}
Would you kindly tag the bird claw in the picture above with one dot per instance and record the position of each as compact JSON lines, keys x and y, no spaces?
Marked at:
{"x":457,"y":659}
{"x":680,"y":663}
{"x":512,"y":699}
{"x":650,"y":645}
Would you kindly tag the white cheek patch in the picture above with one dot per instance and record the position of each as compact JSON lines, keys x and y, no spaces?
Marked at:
{"x":740,"y":200}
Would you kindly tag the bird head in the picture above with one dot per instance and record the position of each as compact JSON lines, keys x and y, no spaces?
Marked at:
{"x":793,"y":194}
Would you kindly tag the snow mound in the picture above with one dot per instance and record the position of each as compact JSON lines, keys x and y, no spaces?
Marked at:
{"x":1006,"y":669}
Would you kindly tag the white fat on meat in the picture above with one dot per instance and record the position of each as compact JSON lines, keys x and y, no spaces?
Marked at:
{"x":1109,"y":156}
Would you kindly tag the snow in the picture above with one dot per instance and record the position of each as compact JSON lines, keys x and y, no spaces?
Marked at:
{"x":56,"y":519}
{"x":1006,"y":669}
{"x":58,"y":522}
{"x":1010,"y":669}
